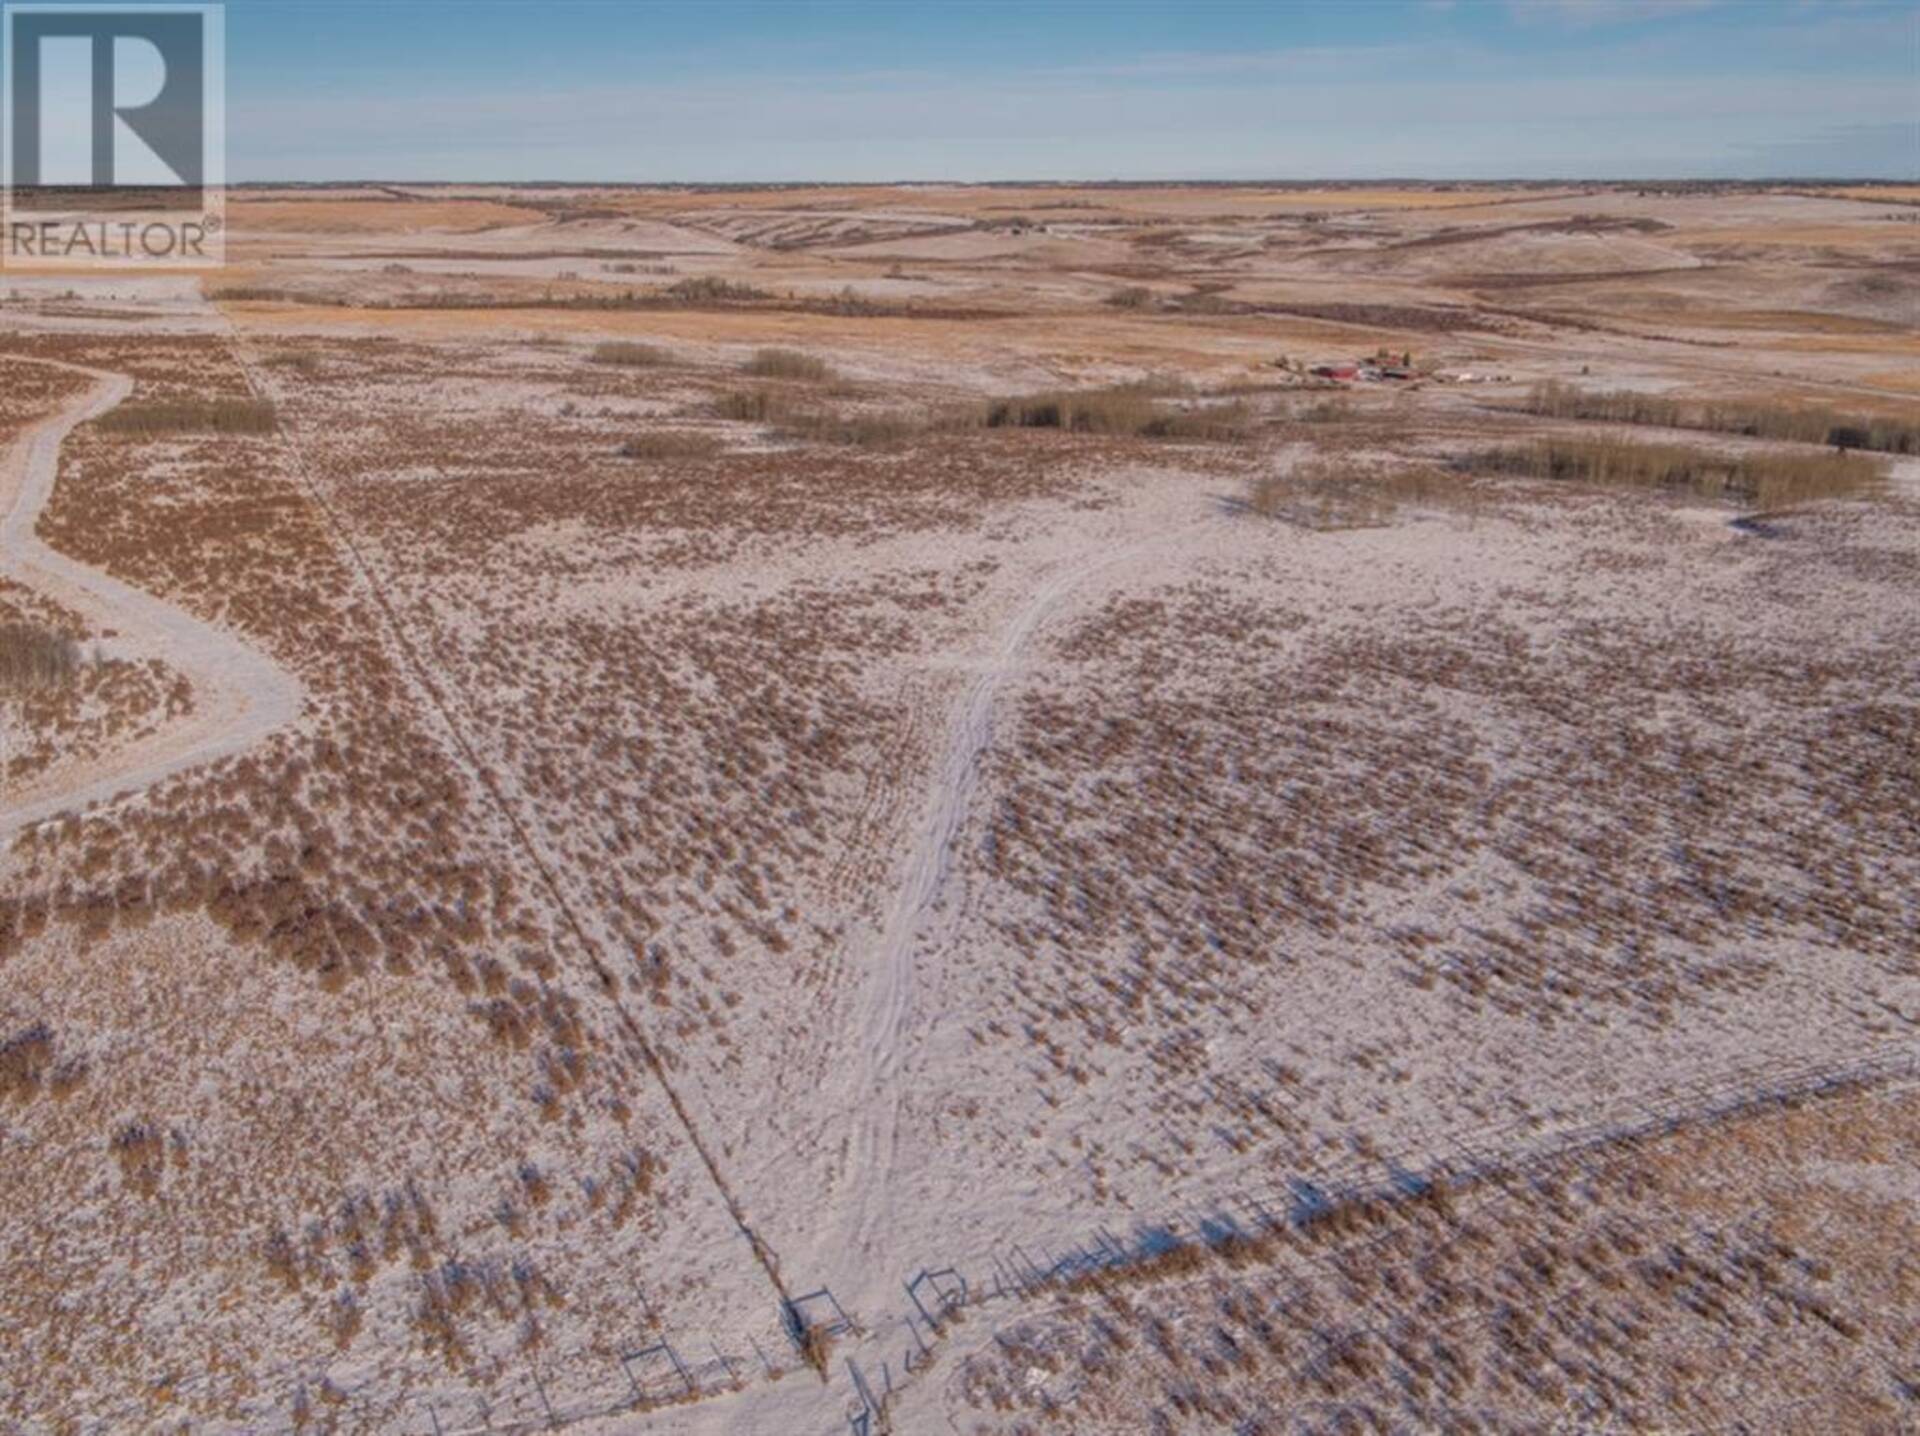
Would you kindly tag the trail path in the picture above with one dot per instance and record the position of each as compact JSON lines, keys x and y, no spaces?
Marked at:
{"x":856,"y":1252}
{"x":239,"y":695}
{"x":923,"y":902}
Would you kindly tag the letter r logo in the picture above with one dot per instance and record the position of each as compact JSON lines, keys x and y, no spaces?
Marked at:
{"x":112,"y":134}
{"x":103,"y":96}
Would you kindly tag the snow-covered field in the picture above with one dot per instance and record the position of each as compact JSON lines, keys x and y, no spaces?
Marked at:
{"x":622,"y":881}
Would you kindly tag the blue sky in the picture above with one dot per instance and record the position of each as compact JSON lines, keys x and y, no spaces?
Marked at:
{"x":420,"y":89}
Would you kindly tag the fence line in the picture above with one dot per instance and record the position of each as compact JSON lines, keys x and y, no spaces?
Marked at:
{"x":1696,"y":1104}
{"x":678,"y":1374}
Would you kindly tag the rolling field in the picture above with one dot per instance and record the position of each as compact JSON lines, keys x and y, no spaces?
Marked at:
{"x":800,"y":809}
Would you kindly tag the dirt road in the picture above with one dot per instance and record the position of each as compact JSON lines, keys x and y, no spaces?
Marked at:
{"x":239,"y":695}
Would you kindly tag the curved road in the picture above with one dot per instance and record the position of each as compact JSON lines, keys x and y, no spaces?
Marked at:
{"x":239,"y":695}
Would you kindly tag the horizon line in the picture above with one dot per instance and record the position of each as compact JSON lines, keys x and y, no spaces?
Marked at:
{"x":1112,"y":182}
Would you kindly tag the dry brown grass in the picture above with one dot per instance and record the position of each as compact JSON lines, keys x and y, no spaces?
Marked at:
{"x":862,"y":431}
{"x":671,"y":444}
{"x":30,"y":1065}
{"x":1764,"y":481}
{"x":786,"y":364}
{"x":191,"y":416}
{"x":1136,"y":409}
{"x":256,"y":294}
{"x":1325,"y":411}
{"x":1208,"y":423}
{"x":1121,"y":409}
{"x":35,"y":657}
{"x":1325,"y":494}
{"x":1603,"y":1279}
{"x":302,"y":362}
{"x":639,"y":356}
{"x":1801,"y":424}
{"x":751,"y":406}
{"x":803,"y":423}
{"x":709,"y":289}
{"x":741,"y":688}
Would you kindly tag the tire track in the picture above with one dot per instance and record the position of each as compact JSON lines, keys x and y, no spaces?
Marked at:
{"x":875,"y":1091}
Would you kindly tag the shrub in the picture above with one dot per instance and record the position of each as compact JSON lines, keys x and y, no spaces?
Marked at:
{"x":1120,"y":409}
{"x":259,"y":293}
{"x":750,"y":406}
{"x":141,"y":1150}
{"x":857,"y":430}
{"x":1211,"y":423}
{"x":35,"y":657}
{"x":786,"y":364}
{"x":711,"y":289}
{"x":850,"y":303}
{"x":1208,"y":300}
{"x":1326,"y":411}
{"x":1807,"y":425}
{"x":1756,"y":480}
{"x":1326,"y":495}
{"x":820,"y":425}
{"x":25,"y":1060}
{"x":299,"y":361}
{"x":1128,"y":409}
{"x":621,"y":351}
{"x":670,"y":444}
{"x":204,"y":416}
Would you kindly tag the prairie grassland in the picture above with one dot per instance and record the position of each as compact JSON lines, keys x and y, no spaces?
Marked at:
{"x":360,"y":861}
{"x":538,"y":995}
{"x":1330,"y":754}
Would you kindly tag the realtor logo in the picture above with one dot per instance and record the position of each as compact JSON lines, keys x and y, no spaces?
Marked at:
{"x":115,"y":136}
